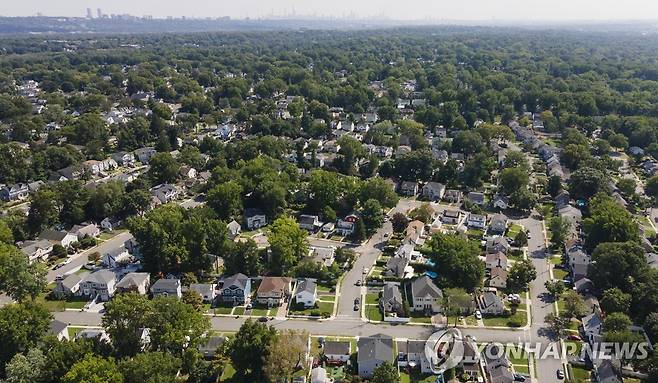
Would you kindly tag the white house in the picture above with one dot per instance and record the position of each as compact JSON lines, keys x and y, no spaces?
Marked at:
{"x":477,"y":221}
{"x":427,"y":297}
{"x":255,"y":219}
{"x":100,"y":284}
{"x":167,"y":288}
{"x":306,"y":292}
{"x":115,"y":256}
{"x":62,"y":238}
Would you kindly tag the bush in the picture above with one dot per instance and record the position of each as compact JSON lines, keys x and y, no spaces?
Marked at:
{"x":316,"y":313}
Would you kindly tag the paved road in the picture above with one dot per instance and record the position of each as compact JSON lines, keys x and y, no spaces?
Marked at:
{"x":78,"y":260}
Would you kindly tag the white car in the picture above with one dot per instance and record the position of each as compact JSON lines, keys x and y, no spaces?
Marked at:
{"x":478,"y":315}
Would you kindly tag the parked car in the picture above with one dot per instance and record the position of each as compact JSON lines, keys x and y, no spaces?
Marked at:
{"x":356,"y":307}
{"x":89,"y":265}
{"x":262,"y":319}
{"x":358,"y":283}
{"x":478,"y":315}
{"x":574,"y":337}
{"x":560,"y":374}
{"x":357,"y":301}
{"x":519,"y":378}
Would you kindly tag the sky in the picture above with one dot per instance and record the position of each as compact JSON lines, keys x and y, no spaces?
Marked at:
{"x":470,"y":10}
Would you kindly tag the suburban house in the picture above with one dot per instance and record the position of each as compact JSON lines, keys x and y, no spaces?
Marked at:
{"x":373,"y":352}
{"x":476,"y":198}
{"x":490,"y":304}
{"x":498,"y":223}
{"x":497,"y":245}
{"x":69,"y":173}
{"x":324,"y":255}
{"x":254,"y":218}
{"x":273,"y":291}
{"x":451,"y":217}
{"x":167,"y":288}
{"x":236,"y":289}
{"x":427,"y":297}
{"x":409,"y":188}
{"x":319,"y":375}
{"x":187,"y":172}
{"x":452,"y":196}
{"x":498,"y":278}
{"x":309,"y":222}
{"x":16,"y":192}
{"x":165,"y":193}
{"x":100,"y":284}
{"x":98,"y":334}
{"x":95,"y":167}
{"x":415,"y":227}
{"x":205,"y":290}
{"x":495,"y":260}
{"x":114,"y":257}
{"x":234,"y":229}
{"x":59,"y":329}
{"x":110,"y":223}
{"x":500,"y":202}
{"x":134,"y":282}
{"x":144,"y":155}
{"x":38,"y":250}
{"x":411,"y":354}
{"x":391,"y":302}
{"x":396,"y":267}
{"x":592,"y":325}
{"x":433,"y":191}
{"x":337,"y":351}
{"x":124,"y":158}
{"x":68,"y":286}
{"x":344,"y":228}
{"x":405,"y":251}
{"x":477,"y":221}
{"x":86,"y":230}
{"x":579,"y":262}
{"x":470,"y":362}
{"x":62,"y":238}
{"x":306,"y":293}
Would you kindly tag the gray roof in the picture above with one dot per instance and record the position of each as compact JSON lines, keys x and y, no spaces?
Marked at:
{"x":205,"y":289}
{"x":308,"y":285}
{"x":392,"y":293}
{"x":132,"y":280}
{"x":377,"y":347}
{"x":423,"y":286}
{"x":592,"y":323}
{"x":53,"y":235}
{"x":240,"y":280}
{"x":72,"y":280}
{"x":490,"y":299}
{"x":212,"y":343}
{"x":101,"y":276}
{"x":57,"y":327}
{"x":166,"y":284}
{"x":337,"y":348}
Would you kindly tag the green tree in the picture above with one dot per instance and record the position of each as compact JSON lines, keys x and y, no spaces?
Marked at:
{"x":559,"y":227}
{"x":226,"y":200}
{"x":608,"y":222}
{"x":19,"y":278}
{"x":27,"y":368}
{"x":615,"y":300}
{"x":150,"y":367}
{"x":511,"y":180}
{"x":385,"y":373}
{"x":124,"y":316}
{"x":163,"y":168}
{"x":376,"y":188}
{"x":44,"y":210}
{"x":651,"y":187}
{"x":94,"y":369}
{"x":250,"y":348}
{"x":616,"y":322}
{"x":554,"y":186}
{"x":399,"y":222}
{"x":574,"y":305}
{"x":288,"y":244}
{"x":620,"y":265}
{"x":22,"y":326}
{"x":285,"y":353}
{"x":6,"y":235}
{"x":555,"y":288}
{"x":372,"y":215}
{"x":458,"y":259}
{"x":244,"y":257}
{"x":520,"y":275}
{"x":180,"y":326}
{"x":587,"y":182}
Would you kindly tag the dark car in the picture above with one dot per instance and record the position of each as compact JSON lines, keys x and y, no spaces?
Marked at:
{"x":357,"y":301}
{"x":356,"y":307}
{"x":560,"y":374}
{"x":262,"y":319}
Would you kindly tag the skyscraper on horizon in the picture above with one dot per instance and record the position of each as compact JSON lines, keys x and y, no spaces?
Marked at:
{"x":89,"y":14}
{"x":99,"y":13}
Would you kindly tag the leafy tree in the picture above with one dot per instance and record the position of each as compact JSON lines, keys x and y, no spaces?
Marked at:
{"x":19,"y":278}
{"x":399,"y":222}
{"x":574,"y":305}
{"x":557,"y":324}
{"x":615,"y":300}
{"x":150,"y":367}
{"x":521,"y":239}
{"x":458,"y":260}
{"x":651,"y":187}
{"x":523,"y":199}
{"x":27,"y":368}
{"x":559,"y":227}
{"x":520,"y":275}
{"x":608,"y":222}
{"x":44,"y":210}
{"x":6,"y":235}
{"x":22,"y":326}
{"x":385,"y":373}
{"x":245,"y":258}
{"x":619,"y":265}
{"x":457,"y":302}
{"x":94,"y":369}
{"x":226,"y":200}
{"x":422,"y":213}
{"x":627,"y":186}
{"x":511,"y":180}
{"x":555,"y":288}
{"x":124,"y":316}
{"x":163,"y":168}
{"x":616,"y":322}
{"x":288,"y":244}
{"x":359,"y":231}
{"x":414,"y":166}
{"x":376,"y":188}
{"x":554,"y":186}
{"x":61,"y":356}
{"x":180,"y":326}
{"x":285,"y":353}
{"x":372,"y":215}
{"x":587,"y":182}
{"x":193,"y":299}
{"x":250,"y":348}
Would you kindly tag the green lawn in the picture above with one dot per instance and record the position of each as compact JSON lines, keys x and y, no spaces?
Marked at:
{"x":556,"y":260}
{"x":560,"y":273}
{"x":581,"y":375}
{"x":419,"y":317}
{"x":517,"y":320}
{"x":259,"y":311}
{"x":75,"y":303}
{"x":514,"y":230}
{"x":416,"y":378}
{"x":239,"y":310}
{"x":372,"y":298}
{"x":223,"y":310}
{"x":373,"y":313}
{"x":323,"y":307}
{"x":327,"y":298}
{"x":73,"y":331}
{"x":228,"y":373}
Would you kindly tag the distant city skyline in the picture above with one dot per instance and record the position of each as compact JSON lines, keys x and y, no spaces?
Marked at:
{"x":469,"y":10}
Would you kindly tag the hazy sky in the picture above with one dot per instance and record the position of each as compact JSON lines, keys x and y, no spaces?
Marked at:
{"x":397,"y":9}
